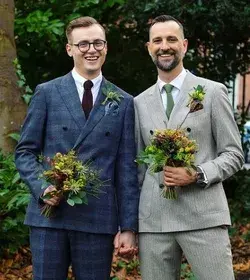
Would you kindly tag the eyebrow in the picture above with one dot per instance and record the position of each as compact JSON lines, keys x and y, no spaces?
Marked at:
{"x":168,"y":37}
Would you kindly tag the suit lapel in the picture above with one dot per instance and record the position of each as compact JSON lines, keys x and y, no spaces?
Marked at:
{"x":70,"y":96}
{"x":181,"y":110}
{"x":155,"y":106}
{"x":96,"y":114}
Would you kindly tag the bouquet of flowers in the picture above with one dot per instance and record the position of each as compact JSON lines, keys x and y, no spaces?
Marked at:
{"x":70,"y":177}
{"x":169,"y":147}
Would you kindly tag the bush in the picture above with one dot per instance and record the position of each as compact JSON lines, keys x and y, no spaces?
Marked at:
{"x":238,"y":194}
{"x":14,"y":197}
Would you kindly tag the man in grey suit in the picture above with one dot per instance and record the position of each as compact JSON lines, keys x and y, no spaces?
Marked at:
{"x":196,"y":222}
{"x":72,"y":112}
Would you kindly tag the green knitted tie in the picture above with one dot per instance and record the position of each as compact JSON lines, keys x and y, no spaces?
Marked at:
{"x":170,"y":100}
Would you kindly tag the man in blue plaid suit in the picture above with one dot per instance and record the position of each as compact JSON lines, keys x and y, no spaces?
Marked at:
{"x":82,"y":235}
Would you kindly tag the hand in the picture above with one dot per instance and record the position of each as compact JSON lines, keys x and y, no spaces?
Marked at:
{"x":53,"y":201}
{"x":178,"y":176}
{"x":125,"y":244}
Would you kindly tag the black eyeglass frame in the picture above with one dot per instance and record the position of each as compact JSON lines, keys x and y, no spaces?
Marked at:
{"x":91,"y":43}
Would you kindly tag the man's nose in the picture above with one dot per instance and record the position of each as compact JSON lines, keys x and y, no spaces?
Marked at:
{"x":91,"y":48}
{"x":164,"y":45}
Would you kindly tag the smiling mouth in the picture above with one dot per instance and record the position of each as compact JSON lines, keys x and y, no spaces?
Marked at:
{"x":168,"y":54}
{"x":91,"y":58}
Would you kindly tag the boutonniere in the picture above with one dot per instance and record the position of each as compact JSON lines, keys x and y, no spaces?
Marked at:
{"x":111,"y":96}
{"x":195,"y":99}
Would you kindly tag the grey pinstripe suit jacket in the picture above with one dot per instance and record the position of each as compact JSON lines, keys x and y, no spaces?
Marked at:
{"x":220,"y":155}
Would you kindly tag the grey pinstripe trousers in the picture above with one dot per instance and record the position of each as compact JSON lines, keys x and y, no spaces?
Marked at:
{"x":208,"y":251}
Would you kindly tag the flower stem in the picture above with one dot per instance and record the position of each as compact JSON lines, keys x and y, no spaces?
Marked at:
{"x":48,"y":211}
{"x":169,"y":192}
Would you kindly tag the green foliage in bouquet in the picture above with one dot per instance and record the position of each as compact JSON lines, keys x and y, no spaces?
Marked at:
{"x":70,"y":177}
{"x":169,"y":147}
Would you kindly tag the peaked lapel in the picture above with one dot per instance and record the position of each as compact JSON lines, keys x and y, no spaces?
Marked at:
{"x":155,"y":106}
{"x":96,"y":114}
{"x":180,"y":109}
{"x":70,"y":96}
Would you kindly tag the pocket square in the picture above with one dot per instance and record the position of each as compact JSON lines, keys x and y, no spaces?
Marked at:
{"x":112,"y":108}
{"x":195,"y":106}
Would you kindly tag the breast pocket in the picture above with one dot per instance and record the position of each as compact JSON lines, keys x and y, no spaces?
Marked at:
{"x":195,"y":114}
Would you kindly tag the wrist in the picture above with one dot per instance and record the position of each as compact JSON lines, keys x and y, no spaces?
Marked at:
{"x":128,"y":230}
{"x":201,"y":178}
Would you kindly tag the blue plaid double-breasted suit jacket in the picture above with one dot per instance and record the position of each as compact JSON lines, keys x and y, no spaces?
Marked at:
{"x":55,"y":122}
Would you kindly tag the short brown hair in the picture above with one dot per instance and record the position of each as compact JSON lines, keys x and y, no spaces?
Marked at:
{"x":165,"y":18}
{"x":81,"y":22}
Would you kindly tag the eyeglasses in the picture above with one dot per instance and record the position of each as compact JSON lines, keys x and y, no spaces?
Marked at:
{"x":84,"y":46}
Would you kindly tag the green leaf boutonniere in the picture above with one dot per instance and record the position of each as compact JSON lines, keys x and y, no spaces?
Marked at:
{"x":195,"y":99}
{"x":111,"y":96}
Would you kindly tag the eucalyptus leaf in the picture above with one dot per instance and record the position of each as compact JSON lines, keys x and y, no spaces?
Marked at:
{"x":71,"y":202}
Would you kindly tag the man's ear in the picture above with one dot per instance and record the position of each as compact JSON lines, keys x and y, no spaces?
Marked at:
{"x":185,"y":45}
{"x":106,"y":47}
{"x":148,"y":47}
{"x":69,"y":49}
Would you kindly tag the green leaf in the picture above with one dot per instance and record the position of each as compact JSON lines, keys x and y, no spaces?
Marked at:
{"x":20,"y":83}
{"x":16,"y":178}
{"x":70,"y":202}
{"x":57,"y":31}
{"x":15,"y":136}
{"x":82,"y":194}
{"x":76,"y":199}
{"x":85,"y":200}
{"x":46,"y":196}
{"x":27,"y":98}
{"x":149,"y":6}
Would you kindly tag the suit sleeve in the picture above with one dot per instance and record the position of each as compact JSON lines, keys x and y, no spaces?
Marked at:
{"x":30,"y":145}
{"x":227,"y":139}
{"x":126,"y":174}
{"x":140,"y":146}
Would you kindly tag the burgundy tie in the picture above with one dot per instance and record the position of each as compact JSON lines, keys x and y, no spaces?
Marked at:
{"x":87,"y":100}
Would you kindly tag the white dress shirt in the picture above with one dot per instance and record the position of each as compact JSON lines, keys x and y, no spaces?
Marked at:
{"x":79,"y":81}
{"x":177,"y":83}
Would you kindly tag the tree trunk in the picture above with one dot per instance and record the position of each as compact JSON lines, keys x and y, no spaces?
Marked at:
{"x":12,"y":107}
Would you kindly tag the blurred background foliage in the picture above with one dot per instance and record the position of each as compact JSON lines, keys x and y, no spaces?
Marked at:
{"x":218,"y":34}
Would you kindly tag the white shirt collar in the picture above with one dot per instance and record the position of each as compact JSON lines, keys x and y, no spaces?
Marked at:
{"x":79,"y":80}
{"x":176,"y":82}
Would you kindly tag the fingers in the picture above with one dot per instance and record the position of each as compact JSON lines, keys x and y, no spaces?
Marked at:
{"x":128,"y":253}
{"x":127,"y":245}
{"x":116,"y":243}
{"x":178,"y":176}
{"x":54,"y":200}
{"x":170,"y":177}
{"x":49,"y":189}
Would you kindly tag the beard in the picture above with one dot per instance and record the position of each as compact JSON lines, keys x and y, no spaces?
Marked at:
{"x":166,"y":66}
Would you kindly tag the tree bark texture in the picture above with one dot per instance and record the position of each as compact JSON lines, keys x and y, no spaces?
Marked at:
{"x":12,"y":107}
